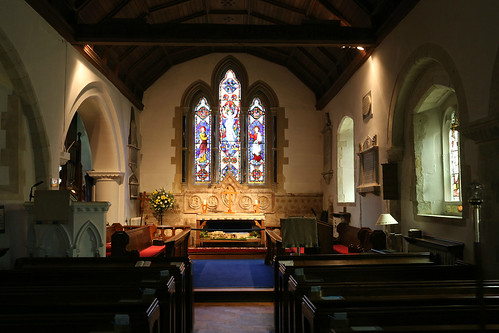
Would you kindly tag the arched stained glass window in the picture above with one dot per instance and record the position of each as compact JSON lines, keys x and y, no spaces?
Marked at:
{"x":202,"y":129}
{"x":454,"y":163}
{"x":230,"y":126}
{"x":256,"y":142}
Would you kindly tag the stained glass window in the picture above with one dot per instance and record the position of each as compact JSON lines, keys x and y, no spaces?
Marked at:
{"x":202,"y":129}
{"x":230,"y":128}
{"x":256,"y":142}
{"x":454,"y":162}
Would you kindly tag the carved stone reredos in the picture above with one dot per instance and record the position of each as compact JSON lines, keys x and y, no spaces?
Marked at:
{"x":242,"y":199}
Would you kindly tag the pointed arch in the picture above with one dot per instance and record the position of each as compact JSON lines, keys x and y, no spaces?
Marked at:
{"x":263,"y":91}
{"x":424,"y":60}
{"x":23,"y":88}
{"x":222,"y":67}
{"x":91,"y":237}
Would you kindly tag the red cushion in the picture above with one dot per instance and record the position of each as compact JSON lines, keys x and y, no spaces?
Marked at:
{"x":295,"y":250}
{"x":340,"y":248}
{"x":152,"y":251}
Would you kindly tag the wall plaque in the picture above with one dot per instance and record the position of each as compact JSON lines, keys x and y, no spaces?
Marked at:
{"x":369,"y":166}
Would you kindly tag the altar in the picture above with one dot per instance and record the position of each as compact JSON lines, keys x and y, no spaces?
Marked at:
{"x":230,"y":228}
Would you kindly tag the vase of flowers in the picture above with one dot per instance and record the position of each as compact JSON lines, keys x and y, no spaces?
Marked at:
{"x":160,"y":201}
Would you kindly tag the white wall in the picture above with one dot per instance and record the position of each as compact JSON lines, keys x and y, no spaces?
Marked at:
{"x":59,"y":79}
{"x":466,"y":31}
{"x":302,"y":173}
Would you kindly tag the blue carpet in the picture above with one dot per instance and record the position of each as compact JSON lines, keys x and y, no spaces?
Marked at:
{"x":232,"y":273}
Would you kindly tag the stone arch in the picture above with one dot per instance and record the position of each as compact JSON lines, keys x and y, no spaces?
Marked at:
{"x":88,"y":234}
{"x":430,"y":60}
{"x":22,"y":86}
{"x":57,"y":237}
{"x":98,"y":113}
{"x":264,"y":92}
{"x":223,"y":65}
{"x":194,"y":92}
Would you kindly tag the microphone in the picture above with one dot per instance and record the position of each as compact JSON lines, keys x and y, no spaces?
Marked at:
{"x":31,"y":190}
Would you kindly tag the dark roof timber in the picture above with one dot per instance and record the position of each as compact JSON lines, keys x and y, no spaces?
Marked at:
{"x":133,"y":44}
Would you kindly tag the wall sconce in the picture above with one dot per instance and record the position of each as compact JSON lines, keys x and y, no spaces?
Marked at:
{"x":204,"y":206}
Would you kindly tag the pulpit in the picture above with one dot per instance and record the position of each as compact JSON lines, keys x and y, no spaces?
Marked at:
{"x":232,"y":228}
{"x":58,"y":226}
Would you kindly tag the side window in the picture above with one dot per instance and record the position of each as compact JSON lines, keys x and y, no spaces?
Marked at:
{"x":436,"y":154}
{"x":346,"y":161}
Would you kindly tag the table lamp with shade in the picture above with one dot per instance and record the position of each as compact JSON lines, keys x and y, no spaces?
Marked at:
{"x":385,"y":220}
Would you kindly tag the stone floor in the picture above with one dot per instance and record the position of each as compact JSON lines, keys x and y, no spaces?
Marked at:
{"x":254,"y":317}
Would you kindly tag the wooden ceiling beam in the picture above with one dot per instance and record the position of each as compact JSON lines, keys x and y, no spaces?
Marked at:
{"x":132,"y":32}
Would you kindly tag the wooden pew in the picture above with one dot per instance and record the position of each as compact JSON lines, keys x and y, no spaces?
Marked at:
{"x":110,"y":230}
{"x":430,"y":304}
{"x":97,"y":287}
{"x":83,"y":309}
{"x":178,"y":244}
{"x":285,"y":265}
{"x":120,"y":270}
{"x":274,"y":245}
{"x":304,"y":280}
{"x":136,"y":241}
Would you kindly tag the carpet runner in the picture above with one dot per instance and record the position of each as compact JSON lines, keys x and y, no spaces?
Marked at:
{"x":232,"y":273}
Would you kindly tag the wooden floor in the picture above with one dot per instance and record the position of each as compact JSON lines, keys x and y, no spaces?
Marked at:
{"x":254,"y":317}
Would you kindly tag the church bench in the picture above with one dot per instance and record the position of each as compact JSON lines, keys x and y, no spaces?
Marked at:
{"x":419,"y":303}
{"x":110,"y":230}
{"x":120,"y":270}
{"x":136,"y":241}
{"x":303,"y":280}
{"x":178,"y":244}
{"x":284,"y":265}
{"x":273,"y":241}
{"x":353,"y":239}
{"x":72,"y":309}
{"x":87,"y":294}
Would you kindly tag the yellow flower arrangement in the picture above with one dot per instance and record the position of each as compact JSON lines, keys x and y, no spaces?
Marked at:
{"x":160,"y":201}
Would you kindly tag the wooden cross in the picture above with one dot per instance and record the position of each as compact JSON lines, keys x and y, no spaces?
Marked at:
{"x":229,"y":192}
{"x":143,"y":198}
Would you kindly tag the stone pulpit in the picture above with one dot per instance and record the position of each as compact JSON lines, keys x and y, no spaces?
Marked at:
{"x":59,"y":226}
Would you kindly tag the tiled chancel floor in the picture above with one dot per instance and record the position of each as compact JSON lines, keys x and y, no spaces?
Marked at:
{"x":254,"y":317}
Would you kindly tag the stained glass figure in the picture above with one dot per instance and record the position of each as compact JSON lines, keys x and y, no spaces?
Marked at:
{"x":454,"y":161}
{"x":202,"y":143}
{"x":230,"y":128}
{"x":256,"y":142}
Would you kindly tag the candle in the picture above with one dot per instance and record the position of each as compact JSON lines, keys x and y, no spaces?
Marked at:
{"x":256,"y":202}
{"x":204,"y":202}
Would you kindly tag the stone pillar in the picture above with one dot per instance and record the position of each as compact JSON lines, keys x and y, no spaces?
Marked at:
{"x":107,"y":188}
